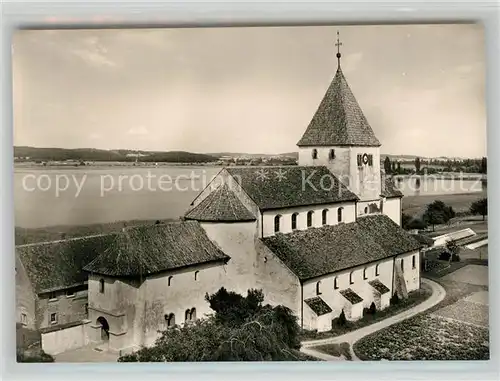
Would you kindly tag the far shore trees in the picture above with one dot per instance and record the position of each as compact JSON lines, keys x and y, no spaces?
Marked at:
{"x":417,"y":165}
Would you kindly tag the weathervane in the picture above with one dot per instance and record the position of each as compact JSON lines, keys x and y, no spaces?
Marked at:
{"x":338,"y":44}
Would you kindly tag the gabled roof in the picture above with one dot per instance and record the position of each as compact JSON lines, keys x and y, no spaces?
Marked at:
{"x":318,"y":305}
{"x":339,"y":120}
{"x":58,"y":265}
{"x":221,"y":205}
{"x":379,"y":286}
{"x":319,"y":251}
{"x":290,"y":186}
{"x":390,"y":189}
{"x":351,"y":296}
{"x":144,"y":250}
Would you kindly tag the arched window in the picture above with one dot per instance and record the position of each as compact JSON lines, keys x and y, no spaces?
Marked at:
{"x":351,"y":277}
{"x":170,"y":320}
{"x":402,"y":265}
{"x":277,"y":223}
{"x":324,"y":216}
{"x":101,"y":286}
{"x":335,"y":283}
{"x":377,"y":270}
{"x":310,"y":218}
{"x":339,"y":214}
{"x":414,"y":262}
{"x":294,"y":221}
{"x":187,"y":315}
{"x":196,"y":275}
{"x":190,"y":315}
{"x":170,"y":280}
{"x":314,"y":153}
{"x":318,"y":288}
{"x":331,"y":156}
{"x":366,"y":209}
{"x":364,"y":274}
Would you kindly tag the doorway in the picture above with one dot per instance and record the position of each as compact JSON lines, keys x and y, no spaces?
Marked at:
{"x":104,"y":328}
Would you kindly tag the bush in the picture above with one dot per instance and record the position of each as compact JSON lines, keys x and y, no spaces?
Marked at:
{"x":373,"y":308}
{"x":444,"y":256}
{"x":394,"y":299}
{"x":455,"y":258}
{"x":33,"y":356}
{"x":341,"y":320}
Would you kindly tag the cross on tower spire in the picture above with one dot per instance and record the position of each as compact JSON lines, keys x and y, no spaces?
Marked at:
{"x":338,"y":44}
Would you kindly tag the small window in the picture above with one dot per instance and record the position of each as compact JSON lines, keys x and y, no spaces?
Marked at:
{"x":414,"y":262}
{"x":70,"y":294}
{"x":331,"y":156}
{"x":314,"y":153}
{"x":52,"y":296}
{"x":24,"y":319}
{"x":324,"y":217}
{"x":101,"y":286}
{"x":351,"y":277}
{"x":402,"y":265}
{"x":170,"y":319}
{"x":277,"y":223}
{"x":339,"y":214}
{"x":310,"y":218}
{"x":366,"y":210}
{"x":294,"y":221}
{"x":318,"y":288}
{"x":53,"y":318}
{"x":364,"y":274}
{"x":196,"y":275}
{"x":335,"y":283}
{"x":377,"y":270}
{"x":169,"y":281}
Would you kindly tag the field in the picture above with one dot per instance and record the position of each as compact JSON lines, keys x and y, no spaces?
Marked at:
{"x":415,"y":205}
{"x":426,"y":337}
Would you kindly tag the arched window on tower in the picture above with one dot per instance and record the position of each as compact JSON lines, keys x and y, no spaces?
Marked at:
{"x":310,"y":218}
{"x":101,"y":286}
{"x":277,"y":223}
{"x":314,"y":153}
{"x":318,"y":288}
{"x":331,"y":155}
{"x":339,"y":214}
{"x":324,"y":216}
{"x":294,"y":221}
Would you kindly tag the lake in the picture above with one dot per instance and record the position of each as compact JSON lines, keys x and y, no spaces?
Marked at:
{"x":77,"y":196}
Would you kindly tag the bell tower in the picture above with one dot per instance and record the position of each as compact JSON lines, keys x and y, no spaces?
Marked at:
{"x":340,"y":138}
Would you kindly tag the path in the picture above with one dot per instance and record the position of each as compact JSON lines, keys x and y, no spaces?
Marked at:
{"x":438,"y":294}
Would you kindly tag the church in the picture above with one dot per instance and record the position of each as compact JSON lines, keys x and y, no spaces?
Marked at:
{"x":320,"y":237}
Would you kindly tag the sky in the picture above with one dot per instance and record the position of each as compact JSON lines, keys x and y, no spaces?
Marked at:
{"x":255,"y":90}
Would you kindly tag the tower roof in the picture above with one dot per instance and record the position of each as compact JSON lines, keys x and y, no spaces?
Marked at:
{"x":339,"y":121}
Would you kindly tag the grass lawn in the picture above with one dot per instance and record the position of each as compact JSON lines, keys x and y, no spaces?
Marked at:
{"x":467,"y":312}
{"x":426,"y":337}
{"x":336,"y":350}
{"x":414,"y":298}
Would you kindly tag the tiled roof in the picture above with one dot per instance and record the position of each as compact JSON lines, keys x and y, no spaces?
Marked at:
{"x":221,"y":205}
{"x":58,"y":265}
{"x":290,"y":186}
{"x":390,"y":189}
{"x":319,"y":251}
{"x":339,"y":120}
{"x":318,"y":305}
{"x":145,"y":250}
{"x":379,"y":286}
{"x":351,"y":296}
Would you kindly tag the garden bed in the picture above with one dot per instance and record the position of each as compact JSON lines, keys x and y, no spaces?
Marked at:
{"x":414,"y":298}
{"x":426,"y":337}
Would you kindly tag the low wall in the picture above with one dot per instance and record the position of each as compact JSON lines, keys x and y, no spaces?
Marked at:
{"x":65,"y":338}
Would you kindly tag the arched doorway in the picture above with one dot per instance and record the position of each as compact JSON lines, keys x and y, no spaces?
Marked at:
{"x":104,"y":328}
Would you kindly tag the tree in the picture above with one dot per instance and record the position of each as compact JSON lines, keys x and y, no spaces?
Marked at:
{"x":406,"y":220}
{"x":480,"y":207}
{"x":438,"y":213}
{"x":393,"y":167}
{"x":453,"y":249}
{"x":387,"y":165}
{"x":417,"y":164}
{"x":484,"y":165}
{"x":242,"y":329}
{"x":399,"y":167}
